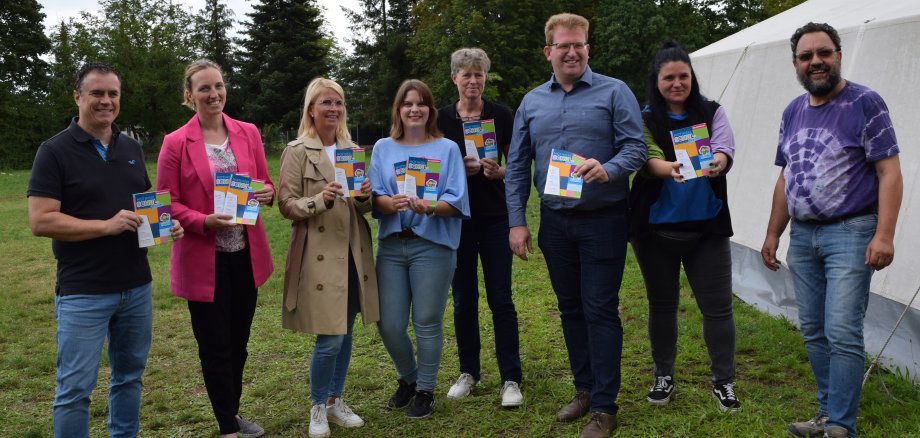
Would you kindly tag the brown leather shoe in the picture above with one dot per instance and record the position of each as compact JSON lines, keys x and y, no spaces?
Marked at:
{"x":576,"y":408}
{"x":600,"y":425}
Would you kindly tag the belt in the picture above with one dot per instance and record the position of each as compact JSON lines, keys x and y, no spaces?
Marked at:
{"x":406,"y":234}
{"x":871,"y":209}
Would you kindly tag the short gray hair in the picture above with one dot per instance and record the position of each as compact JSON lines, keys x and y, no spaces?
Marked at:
{"x":469,"y":57}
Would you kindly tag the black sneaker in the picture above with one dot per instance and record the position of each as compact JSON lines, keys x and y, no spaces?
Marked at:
{"x":725,"y":395}
{"x":403,"y":395}
{"x":422,"y":406}
{"x":661,"y":393}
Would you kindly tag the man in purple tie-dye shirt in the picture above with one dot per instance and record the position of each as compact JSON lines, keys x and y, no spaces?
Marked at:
{"x":841,"y":186}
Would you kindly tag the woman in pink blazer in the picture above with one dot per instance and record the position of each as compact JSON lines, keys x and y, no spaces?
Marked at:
{"x":219,"y":264}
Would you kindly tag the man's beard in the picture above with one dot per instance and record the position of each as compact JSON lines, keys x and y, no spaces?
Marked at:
{"x":820,"y":88}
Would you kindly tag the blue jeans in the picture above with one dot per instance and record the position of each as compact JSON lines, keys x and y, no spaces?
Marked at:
{"x":414,"y":274}
{"x":831,"y":282}
{"x":84,"y":322}
{"x":332,"y":353}
{"x":486,"y":239}
{"x":585,"y":255}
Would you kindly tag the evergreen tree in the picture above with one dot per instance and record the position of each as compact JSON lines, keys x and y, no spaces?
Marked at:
{"x":379,"y":62}
{"x":283,"y":49}
{"x":23,"y":82}
{"x":216,"y":20}
{"x":510,"y":31}
{"x":63,"y":66}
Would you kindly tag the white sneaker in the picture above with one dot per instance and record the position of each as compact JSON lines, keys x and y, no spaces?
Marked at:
{"x":319,"y":425}
{"x":339,"y":413}
{"x":463,"y":387}
{"x":511,"y":394}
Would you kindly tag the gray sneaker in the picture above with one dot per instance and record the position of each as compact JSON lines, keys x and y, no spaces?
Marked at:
{"x":836,"y":432}
{"x":810,"y":428}
{"x":248,"y":429}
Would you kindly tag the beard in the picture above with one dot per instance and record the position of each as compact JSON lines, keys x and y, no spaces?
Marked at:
{"x":823,"y":87}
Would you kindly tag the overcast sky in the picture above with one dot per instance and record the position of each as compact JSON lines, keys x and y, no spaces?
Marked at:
{"x":58,"y":10}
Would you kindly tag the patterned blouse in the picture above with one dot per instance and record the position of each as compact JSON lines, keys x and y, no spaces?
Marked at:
{"x":221,"y":159}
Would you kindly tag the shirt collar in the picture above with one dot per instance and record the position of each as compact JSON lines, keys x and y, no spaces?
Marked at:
{"x":586,"y":78}
{"x":84,"y":137}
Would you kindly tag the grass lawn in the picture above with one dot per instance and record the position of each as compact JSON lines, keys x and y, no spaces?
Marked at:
{"x":774,"y":381}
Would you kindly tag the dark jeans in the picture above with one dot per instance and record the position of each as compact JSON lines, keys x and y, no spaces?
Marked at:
{"x":222,"y":331}
{"x":486,"y":239}
{"x":708,"y":264}
{"x":585,"y":254}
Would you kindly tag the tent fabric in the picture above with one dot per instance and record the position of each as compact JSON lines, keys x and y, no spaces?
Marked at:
{"x":751,"y":74}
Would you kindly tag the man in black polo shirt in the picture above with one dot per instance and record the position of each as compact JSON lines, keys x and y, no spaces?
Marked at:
{"x":80,"y":196}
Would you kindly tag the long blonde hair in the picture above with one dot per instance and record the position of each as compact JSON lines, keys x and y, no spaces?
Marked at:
{"x":307,"y":128}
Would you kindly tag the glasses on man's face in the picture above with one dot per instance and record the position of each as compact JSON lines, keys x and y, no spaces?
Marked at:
{"x":823,"y":54}
{"x":565,"y":47}
{"x":329,"y":103}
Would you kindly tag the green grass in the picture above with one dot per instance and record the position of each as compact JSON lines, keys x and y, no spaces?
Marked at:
{"x":774,"y":381}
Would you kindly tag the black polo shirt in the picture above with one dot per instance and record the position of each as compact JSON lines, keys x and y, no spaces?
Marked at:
{"x":68,"y":168}
{"x":487,"y":197}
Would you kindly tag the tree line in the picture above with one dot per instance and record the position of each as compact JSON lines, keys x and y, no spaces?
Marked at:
{"x":283,"y":44}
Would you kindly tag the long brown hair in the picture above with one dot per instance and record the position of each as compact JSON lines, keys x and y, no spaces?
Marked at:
{"x":397,"y":131}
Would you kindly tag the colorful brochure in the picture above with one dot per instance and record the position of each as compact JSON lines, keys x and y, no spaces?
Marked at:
{"x":155,"y":211}
{"x":399,"y":169}
{"x":480,"y":140}
{"x":251,"y":210}
{"x":693,"y":150}
{"x":237,"y":196}
{"x":350,"y":170}
{"x":221,"y":181}
{"x":423,"y":174}
{"x":560,"y":176}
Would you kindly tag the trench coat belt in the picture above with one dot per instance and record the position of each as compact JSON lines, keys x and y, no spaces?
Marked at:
{"x":294,"y":262}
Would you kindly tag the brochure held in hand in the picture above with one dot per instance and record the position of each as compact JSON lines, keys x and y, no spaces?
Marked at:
{"x":155,"y":210}
{"x":560,"y":176}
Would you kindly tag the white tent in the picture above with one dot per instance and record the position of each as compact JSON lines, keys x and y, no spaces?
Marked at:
{"x":751,"y":74}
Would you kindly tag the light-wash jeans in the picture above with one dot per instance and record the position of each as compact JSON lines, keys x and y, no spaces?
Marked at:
{"x":84,"y":322}
{"x":332,"y":353}
{"x":414,"y":274}
{"x":831,"y":282}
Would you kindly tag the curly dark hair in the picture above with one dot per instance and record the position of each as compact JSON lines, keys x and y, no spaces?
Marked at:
{"x":811,"y":28}
{"x":91,"y":67}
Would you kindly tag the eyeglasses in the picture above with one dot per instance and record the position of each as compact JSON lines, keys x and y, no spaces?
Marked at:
{"x":565,"y":47}
{"x":329,"y":103}
{"x":823,"y":54}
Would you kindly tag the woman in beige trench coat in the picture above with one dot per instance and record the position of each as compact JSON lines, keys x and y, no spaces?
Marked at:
{"x":329,"y":276}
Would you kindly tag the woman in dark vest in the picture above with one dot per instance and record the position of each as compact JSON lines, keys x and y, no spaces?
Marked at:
{"x":679,"y":215}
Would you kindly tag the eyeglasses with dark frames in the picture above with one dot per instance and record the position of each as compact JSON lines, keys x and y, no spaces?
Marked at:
{"x":823,"y":54}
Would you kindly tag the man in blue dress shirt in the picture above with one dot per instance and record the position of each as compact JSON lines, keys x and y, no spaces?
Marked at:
{"x":583,"y":239}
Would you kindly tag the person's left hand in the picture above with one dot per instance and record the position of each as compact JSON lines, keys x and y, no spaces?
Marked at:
{"x":491,"y":169}
{"x":365,"y":190}
{"x":472,"y":165}
{"x":176,"y":231}
{"x":718,"y":165}
{"x":418,"y":205}
{"x":591,"y":171}
{"x":265,"y":195}
{"x":880,"y":253}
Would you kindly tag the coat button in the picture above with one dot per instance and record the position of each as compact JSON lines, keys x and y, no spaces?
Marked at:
{"x":365,"y":277}
{"x":319,"y":257}
{"x":319,"y":287}
{"x":322,"y":228}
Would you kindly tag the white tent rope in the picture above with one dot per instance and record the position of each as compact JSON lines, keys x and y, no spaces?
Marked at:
{"x":737,"y":64}
{"x":890,"y":335}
